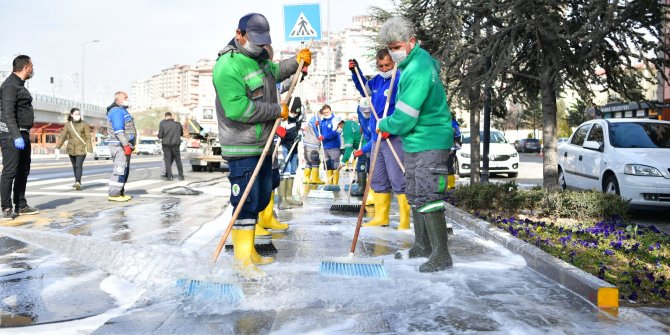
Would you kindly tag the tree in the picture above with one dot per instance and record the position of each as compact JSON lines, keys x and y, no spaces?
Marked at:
{"x":539,"y":47}
{"x":577,"y":114}
{"x":531,"y":117}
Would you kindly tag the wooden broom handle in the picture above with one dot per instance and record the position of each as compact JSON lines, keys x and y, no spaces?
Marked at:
{"x":372,"y":167}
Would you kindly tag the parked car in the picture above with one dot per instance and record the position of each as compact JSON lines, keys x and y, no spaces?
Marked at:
{"x":102,"y":151}
{"x":628,"y":157}
{"x":528,"y":145}
{"x":502,"y":156}
{"x":149,"y":146}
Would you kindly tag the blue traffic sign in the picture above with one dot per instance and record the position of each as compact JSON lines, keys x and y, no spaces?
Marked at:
{"x":302,"y":22}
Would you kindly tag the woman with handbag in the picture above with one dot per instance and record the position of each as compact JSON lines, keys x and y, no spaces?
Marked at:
{"x":77,"y":133}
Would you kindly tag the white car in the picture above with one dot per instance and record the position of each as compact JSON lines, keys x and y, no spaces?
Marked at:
{"x":102,"y":151}
{"x":503,"y":158}
{"x":149,"y":146}
{"x":628,"y":157}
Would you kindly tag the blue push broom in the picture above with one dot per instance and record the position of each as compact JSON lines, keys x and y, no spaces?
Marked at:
{"x":348,"y":266}
{"x":214,"y":288}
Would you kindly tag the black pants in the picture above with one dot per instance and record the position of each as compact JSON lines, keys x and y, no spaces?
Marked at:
{"x":170,"y":154}
{"x":15,"y":171}
{"x":77,"y":166}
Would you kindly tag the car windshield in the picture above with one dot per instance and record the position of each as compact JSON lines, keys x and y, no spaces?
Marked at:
{"x":640,"y":135}
{"x":496,"y":137}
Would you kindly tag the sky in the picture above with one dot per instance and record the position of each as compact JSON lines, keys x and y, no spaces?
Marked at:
{"x":138,"y":38}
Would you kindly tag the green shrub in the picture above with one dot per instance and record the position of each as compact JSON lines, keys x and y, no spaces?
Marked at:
{"x":507,"y":198}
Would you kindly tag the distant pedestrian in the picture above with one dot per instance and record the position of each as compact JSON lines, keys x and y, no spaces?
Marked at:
{"x":163,"y":170}
{"x":170,"y":132}
{"x":121,"y":140}
{"x":330,"y":131}
{"x":77,"y":133}
{"x":16,"y":119}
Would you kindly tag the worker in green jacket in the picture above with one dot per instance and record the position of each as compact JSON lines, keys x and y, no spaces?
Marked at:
{"x":247,"y":106}
{"x":423,"y":120}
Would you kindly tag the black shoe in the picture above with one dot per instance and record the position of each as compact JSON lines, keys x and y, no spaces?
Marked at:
{"x":181,"y":178}
{"x":7,"y":215}
{"x":27,"y":211}
{"x":167,"y":178}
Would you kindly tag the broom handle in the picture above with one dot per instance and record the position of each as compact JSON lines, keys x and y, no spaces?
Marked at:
{"x":367,"y":96}
{"x":266,"y":149}
{"x":372,"y":167}
{"x":289,"y":155}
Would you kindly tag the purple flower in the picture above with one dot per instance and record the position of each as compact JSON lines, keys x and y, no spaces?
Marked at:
{"x":636,"y":281}
{"x":609,"y":252}
{"x":633,"y":296}
{"x":650,"y":276}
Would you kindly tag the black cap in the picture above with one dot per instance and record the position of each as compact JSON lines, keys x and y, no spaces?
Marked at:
{"x":296,"y":107}
{"x":257,"y":28}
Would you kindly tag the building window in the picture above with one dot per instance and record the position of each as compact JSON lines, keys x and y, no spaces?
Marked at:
{"x":50,"y":138}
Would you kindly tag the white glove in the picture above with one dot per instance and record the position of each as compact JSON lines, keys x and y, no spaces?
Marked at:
{"x":57,"y":153}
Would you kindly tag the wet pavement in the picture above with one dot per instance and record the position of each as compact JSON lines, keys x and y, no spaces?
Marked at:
{"x":489,"y":289}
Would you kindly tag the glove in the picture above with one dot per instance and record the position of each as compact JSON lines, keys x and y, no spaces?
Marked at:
{"x":284,"y":112}
{"x":127,"y":150}
{"x":385,"y":135}
{"x":316,"y":123}
{"x":353,"y":64}
{"x":19,"y":144}
{"x":281,"y":131}
{"x":321,"y":138}
{"x":304,"y":55}
{"x":358,"y":153}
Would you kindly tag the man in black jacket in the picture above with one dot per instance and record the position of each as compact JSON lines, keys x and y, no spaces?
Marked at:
{"x":16,"y":120}
{"x":170,"y":131}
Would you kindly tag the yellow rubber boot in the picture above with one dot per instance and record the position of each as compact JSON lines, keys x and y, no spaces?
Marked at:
{"x":243,"y":246}
{"x":267,"y":220}
{"x":314,"y":176}
{"x":404,"y":212}
{"x":451,"y":181}
{"x":382,"y":209}
{"x":306,"y":174}
{"x":329,"y":174}
{"x":371,"y":197}
{"x":336,"y":177}
{"x":261,"y":232}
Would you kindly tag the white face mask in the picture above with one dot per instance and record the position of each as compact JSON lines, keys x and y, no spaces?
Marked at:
{"x":76,"y":118}
{"x":126,"y":103}
{"x":387,"y":74}
{"x":253,"y":49}
{"x":398,"y":56}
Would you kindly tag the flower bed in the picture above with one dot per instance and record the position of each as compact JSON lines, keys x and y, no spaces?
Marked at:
{"x":586,"y":229}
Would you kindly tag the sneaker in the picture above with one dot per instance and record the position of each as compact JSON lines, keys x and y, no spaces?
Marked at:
{"x":77,"y":186}
{"x":7,"y":215}
{"x":27,"y":211}
{"x":119,"y":198}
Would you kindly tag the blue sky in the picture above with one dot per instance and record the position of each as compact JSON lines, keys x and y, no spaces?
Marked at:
{"x":138,"y":38}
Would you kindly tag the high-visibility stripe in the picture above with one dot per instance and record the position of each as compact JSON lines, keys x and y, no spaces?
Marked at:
{"x":241,"y":150}
{"x":431,"y":207}
{"x":252,"y":75}
{"x":247,"y":113}
{"x":407,"y":109}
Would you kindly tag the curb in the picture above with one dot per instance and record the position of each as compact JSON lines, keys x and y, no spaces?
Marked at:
{"x":598,"y":292}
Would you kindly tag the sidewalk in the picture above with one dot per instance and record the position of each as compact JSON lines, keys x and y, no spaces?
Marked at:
{"x":488,"y":290}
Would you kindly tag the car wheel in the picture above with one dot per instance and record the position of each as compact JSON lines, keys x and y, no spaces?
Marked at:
{"x":611,"y":185}
{"x":561,"y":180}
{"x":95,"y":158}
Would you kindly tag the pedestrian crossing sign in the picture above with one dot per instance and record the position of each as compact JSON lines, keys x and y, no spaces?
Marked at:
{"x":302,"y":22}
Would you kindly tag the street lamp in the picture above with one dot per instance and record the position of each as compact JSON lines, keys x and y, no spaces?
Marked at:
{"x":83,"y":76}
